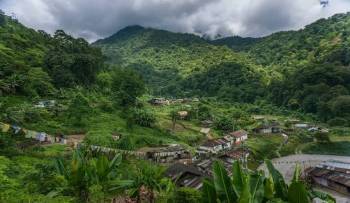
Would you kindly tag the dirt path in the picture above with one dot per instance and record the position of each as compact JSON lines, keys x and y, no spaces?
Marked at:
{"x":286,"y":166}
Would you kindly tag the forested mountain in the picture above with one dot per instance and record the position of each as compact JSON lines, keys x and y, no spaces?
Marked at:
{"x":326,"y":40}
{"x":314,"y":63}
{"x":32,"y":63}
{"x":183,"y":64}
{"x":287,"y":68}
{"x":305,"y":69}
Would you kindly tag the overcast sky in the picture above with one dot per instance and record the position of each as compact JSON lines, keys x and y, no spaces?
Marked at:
{"x":93,"y":19}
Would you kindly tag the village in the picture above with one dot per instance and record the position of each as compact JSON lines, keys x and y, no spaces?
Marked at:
{"x":187,"y":168}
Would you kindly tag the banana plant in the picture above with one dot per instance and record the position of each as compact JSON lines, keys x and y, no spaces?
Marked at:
{"x":254,"y":187}
{"x":84,"y":171}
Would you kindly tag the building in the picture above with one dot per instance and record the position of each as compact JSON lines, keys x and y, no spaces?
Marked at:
{"x":191,"y":175}
{"x":301,"y":125}
{"x":182,"y":114}
{"x":227,"y":159}
{"x":116,"y":136}
{"x":167,"y":154}
{"x":258,"y":117}
{"x":334,"y":175}
{"x":159,"y":101}
{"x":235,"y":155}
{"x":45,"y":104}
{"x":271,"y":128}
{"x":75,"y":140}
{"x":185,"y":175}
{"x":60,"y":138}
{"x":214,"y":146}
{"x":237,"y":137}
{"x":205,"y":131}
{"x":207,"y":123}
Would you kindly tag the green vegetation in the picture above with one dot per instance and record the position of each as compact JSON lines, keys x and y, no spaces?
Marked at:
{"x":65,"y":86}
{"x":183,"y":64}
{"x":245,"y":186}
{"x":310,"y":65}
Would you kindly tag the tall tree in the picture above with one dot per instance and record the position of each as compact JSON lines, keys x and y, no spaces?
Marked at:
{"x":126,"y":87}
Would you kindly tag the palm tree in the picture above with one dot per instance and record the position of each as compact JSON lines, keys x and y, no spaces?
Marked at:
{"x":84,"y":171}
{"x":253,"y":187}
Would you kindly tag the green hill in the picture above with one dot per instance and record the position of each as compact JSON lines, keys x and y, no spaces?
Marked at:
{"x":314,"y":63}
{"x":326,"y":40}
{"x":32,"y":63}
{"x":175,"y":64}
{"x":292,"y":65}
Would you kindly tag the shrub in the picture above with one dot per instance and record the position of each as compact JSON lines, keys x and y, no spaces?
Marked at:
{"x":187,"y":195}
{"x":322,"y":137}
{"x":144,"y":117}
{"x":223,"y":123}
{"x":337,"y":122}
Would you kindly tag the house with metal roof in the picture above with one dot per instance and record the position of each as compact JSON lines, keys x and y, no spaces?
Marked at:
{"x":334,"y":175}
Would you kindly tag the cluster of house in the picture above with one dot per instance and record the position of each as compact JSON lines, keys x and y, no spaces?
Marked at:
{"x":270,"y":128}
{"x":191,"y":175}
{"x":226,"y":143}
{"x":274,"y":127}
{"x":42,"y":137}
{"x":164,"y":101}
{"x":334,"y":175}
{"x":172,"y":153}
{"x":226,"y":150}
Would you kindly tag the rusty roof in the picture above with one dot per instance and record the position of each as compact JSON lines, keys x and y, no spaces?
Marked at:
{"x":215,"y":142}
{"x":239,"y":133}
{"x":328,"y":174}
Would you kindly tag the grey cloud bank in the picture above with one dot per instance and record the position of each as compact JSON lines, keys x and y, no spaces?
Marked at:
{"x":93,"y":19}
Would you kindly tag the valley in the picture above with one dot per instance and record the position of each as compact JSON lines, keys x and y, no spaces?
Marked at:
{"x":125,"y":117}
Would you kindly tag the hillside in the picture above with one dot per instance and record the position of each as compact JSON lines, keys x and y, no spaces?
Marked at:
{"x":21,"y":50}
{"x":33,"y":63}
{"x":314,"y":65}
{"x":326,"y":40}
{"x":176,"y":64}
{"x":182,"y":53}
{"x":237,"y":43}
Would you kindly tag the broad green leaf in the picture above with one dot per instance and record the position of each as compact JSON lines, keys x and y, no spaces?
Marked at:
{"x":245,"y":195}
{"x":237,"y":178}
{"x":280,"y":186}
{"x":268,"y":188}
{"x":297,"y":173}
{"x":208,"y":192}
{"x":297,"y":193}
{"x":223,"y":185}
{"x":256,"y":182}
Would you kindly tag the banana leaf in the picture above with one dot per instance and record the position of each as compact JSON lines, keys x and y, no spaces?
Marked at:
{"x":297,"y":193}
{"x":281,"y":188}
{"x":208,"y":192}
{"x":223,"y":185}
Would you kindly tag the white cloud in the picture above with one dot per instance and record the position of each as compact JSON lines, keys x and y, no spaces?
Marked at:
{"x":95,"y":19}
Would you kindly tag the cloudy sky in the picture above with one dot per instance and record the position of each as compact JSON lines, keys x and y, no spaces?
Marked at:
{"x":93,"y":19}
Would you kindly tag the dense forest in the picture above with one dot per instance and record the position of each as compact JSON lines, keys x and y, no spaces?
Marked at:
{"x":316,"y":58}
